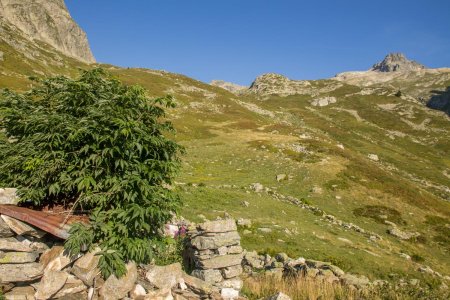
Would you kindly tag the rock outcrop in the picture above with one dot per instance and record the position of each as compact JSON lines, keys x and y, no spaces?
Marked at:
{"x":276,"y":84}
{"x":229,"y":86}
{"x":397,"y":62}
{"x":50,"y":22}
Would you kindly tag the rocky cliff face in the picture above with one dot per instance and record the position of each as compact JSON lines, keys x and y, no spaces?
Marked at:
{"x":48,"y":21}
{"x":397,"y":62}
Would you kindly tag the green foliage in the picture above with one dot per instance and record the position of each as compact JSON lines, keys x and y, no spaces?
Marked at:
{"x":98,"y":145}
{"x":171,"y":252}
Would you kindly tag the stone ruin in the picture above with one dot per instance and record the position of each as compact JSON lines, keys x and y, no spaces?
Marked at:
{"x":34,"y":265}
{"x":215,"y":254}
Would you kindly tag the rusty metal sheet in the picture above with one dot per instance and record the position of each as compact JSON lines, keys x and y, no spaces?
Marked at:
{"x":58,"y":225}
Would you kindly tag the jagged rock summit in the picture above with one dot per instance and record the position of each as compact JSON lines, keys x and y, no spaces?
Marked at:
{"x":48,"y":21}
{"x":397,"y":62}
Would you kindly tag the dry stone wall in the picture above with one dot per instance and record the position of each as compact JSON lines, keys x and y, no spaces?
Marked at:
{"x":216,"y":255}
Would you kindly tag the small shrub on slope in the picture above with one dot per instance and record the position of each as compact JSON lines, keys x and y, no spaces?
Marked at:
{"x":98,"y":145}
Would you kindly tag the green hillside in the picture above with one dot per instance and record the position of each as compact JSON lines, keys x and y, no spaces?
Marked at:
{"x":235,"y":141}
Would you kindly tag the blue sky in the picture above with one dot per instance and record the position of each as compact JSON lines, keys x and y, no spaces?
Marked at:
{"x":237,"y":40}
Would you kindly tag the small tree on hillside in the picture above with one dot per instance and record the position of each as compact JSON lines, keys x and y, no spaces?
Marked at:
{"x":96,"y":144}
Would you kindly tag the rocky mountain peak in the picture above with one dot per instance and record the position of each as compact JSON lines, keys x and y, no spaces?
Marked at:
{"x":397,"y":62}
{"x":48,"y":21}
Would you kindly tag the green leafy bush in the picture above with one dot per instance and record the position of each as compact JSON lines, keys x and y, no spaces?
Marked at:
{"x":97,"y":145}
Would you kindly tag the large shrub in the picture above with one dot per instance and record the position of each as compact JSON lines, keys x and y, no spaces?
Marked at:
{"x":95,"y":145}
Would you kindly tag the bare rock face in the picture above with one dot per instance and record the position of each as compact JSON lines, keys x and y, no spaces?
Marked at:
{"x":48,"y":21}
{"x":271,"y":84}
{"x":397,"y":62}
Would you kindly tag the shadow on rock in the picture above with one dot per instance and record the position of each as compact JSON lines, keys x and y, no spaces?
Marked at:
{"x":440,"y":100}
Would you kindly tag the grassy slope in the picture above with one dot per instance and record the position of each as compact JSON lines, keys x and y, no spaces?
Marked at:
{"x":229,"y":147}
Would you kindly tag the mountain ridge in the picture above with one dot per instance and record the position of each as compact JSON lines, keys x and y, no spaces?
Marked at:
{"x":364,"y":154}
{"x":48,"y":21}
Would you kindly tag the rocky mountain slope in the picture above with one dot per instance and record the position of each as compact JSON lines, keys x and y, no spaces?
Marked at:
{"x":47,"y":21}
{"x":345,"y":170}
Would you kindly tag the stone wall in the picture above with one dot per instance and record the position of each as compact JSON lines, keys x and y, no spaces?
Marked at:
{"x":216,"y":255}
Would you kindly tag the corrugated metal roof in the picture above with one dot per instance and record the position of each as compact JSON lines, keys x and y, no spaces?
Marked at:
{"x":58,"y":225}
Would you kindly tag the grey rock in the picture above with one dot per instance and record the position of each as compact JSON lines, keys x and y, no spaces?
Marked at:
{"x":5,"y":231}
{"x":257,"y":187}
{"x":85,"y":268}
{"x":22,"y":228}
{"x":8,"y":195}
{"x":235,"y":249}
{"x":336,"y":270}
{"x":253,"y":260}
{"x":229,"y":294}
{"x":21,"y":293}
{"x":323,"y":101}
{"x":55,"y":259}
{"x":50,"y":284}
{"x":73,"y":286}
{"x":216,"y":241}
{"x":50,"y":22}
{"x":18,"y":257}
{"x":20,"y":272}
{"x":397,"y":62}
{"x":164,"y":277}
{"x":210,"y":276}
{"x":278,"y":296}
{"x":217,"y":226}
{"x":357,"y":281}
{"x":265,"y":230}
{"x":281,"y":177}
{"x":233,"y":271}
{"x":221,"y":262}
{"x":13,"y":244}
{"x":244,"y":222}
{"x":402,"y":235}
{"x":233,"y":283}
{"x":117,"y":288}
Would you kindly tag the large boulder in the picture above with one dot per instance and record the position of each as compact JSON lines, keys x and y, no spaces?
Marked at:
{"x":117,"y":288}
{"x":164,"y":277}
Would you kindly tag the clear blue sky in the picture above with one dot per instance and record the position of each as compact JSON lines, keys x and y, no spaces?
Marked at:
{"x":236,"y":40}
